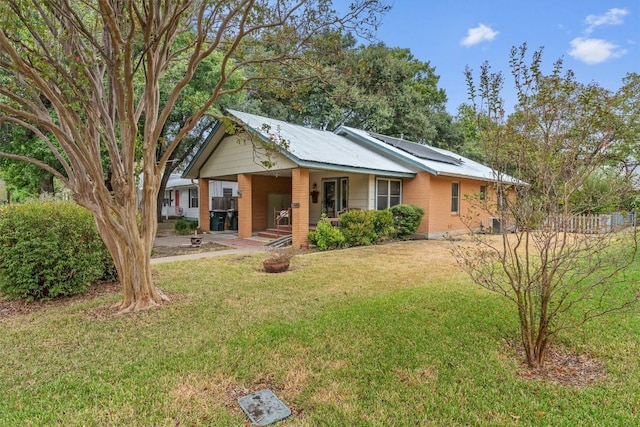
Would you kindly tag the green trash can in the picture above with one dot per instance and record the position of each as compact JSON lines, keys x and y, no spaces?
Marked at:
{"x":213,"y":221}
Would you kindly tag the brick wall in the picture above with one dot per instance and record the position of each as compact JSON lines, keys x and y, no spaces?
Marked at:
{"x":416,"y":191}
{"x":441,"y":219}
{"x":245,"y":226}
{"x":203,"y":204}
{"x":262,"y":186}
{"x":300,"y":214}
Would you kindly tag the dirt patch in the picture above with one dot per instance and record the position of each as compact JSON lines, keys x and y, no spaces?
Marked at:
{"x":165,"y":251}
{"x":167,"y":228}
{"x":20,"y":307}
{"x":562,"y":367}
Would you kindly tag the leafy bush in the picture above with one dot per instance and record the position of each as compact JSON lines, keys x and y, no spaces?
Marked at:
{"x":383,"y":224}
{"x":185,"y":226}
{"x":49,"y":249}
{"x":363,"y":228}
{"x":326,"y":236}
{"x":406,"y":219}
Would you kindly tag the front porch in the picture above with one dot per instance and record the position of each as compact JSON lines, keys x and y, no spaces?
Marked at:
{"x":301,"y":196}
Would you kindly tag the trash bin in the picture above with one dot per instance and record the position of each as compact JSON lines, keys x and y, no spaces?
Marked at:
{"x":213,"y":221}
{"x":216,"y":220}
{"x":220,"y":218}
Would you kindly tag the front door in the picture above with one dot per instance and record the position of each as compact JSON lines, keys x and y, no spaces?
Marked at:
{"x":329,"y":197}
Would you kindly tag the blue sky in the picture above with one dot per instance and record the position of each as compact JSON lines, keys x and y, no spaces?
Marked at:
{"x":599,"y":40}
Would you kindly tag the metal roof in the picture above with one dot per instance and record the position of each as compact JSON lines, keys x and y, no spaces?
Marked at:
{"x":176,"y":181}
{"x":318,"y":148}
{"x":431,"y":159}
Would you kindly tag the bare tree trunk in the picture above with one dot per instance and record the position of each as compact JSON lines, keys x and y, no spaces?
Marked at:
{"x":130,"y":248}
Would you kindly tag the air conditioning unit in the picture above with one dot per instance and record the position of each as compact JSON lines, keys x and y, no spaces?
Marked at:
{"x":496,"y":225}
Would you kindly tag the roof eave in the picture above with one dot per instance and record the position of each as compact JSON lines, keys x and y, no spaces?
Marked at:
{"x":354,"y":169}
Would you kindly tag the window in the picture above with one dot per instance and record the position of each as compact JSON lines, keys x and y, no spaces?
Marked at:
{"x":483,"y":193}
{"x":227,"y":192}
{"x":335,"y":195}
{"x":168,"y":198}
{"x":344,"y":193}
{"x":388,"y":193}
{"x":455,"y":197}
{"x":193,"y":197}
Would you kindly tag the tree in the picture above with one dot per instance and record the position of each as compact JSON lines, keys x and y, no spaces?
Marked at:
{"x":75,"y":68}
{"x":627,"y":104}
{"x":559,"y":135}
{"x":372,"y":87}
{"x":470,"y":122}
{"x":24,"y":180}
{"x":194,"y":95}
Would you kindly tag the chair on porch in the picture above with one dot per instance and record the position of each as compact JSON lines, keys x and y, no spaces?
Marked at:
{"x":280,"y":218}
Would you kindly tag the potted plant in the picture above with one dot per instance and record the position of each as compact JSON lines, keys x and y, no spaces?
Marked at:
{"x":314,"y":193}
{"x":196,"y":241}
{"x":278,"y":259}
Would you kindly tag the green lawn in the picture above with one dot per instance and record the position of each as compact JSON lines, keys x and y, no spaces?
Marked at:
{"x":378,"y":336}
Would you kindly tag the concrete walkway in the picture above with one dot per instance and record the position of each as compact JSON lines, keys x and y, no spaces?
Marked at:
{"x":226,"y":238}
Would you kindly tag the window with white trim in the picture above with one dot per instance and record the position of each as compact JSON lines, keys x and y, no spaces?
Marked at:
{"x":388,"y":193}
{"x":193,"y":197}
{"x":455,"y":197}
{"x":168,"y":198}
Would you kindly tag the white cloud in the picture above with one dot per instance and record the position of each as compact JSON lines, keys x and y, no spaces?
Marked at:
{"x":594,"y":51}
{"x":479,"y":34}
{"x":611,"y":17}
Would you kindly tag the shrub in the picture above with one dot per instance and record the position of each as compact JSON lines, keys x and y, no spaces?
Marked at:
{"x":406,"y":219}
{"x":326,"y":236}
{"x":49,"y":249}
{"x":363,"y":228}
{"x":383,"y":224}
{"x":185,"y":226}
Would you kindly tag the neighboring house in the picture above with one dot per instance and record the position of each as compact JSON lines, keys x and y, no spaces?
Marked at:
{"x":318,"y":172}
{"x":182,"y":197}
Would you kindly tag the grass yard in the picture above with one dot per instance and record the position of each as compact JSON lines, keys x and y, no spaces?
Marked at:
{"x":392,"y":335}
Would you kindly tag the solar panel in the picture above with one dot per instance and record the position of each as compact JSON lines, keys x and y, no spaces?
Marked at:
{"x":419,"y":150}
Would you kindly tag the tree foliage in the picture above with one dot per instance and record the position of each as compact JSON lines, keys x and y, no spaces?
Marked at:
{"x":195,"y":94}
{"x":86,"y":78}
{"x":24,"y":180}
{"x":372,"y":87}
{"x":560,"y":135}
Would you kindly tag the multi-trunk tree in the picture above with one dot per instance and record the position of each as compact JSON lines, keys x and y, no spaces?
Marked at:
{"x":557,"y":268}
{"x":86,"y":78}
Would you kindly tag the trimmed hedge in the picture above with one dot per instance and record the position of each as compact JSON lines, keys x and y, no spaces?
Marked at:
{"x":50,"y":249}
{"x":406,"y":219}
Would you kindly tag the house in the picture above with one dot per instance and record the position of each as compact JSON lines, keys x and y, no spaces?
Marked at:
{"x":317,"y":172}
{"x":182,"y":197}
